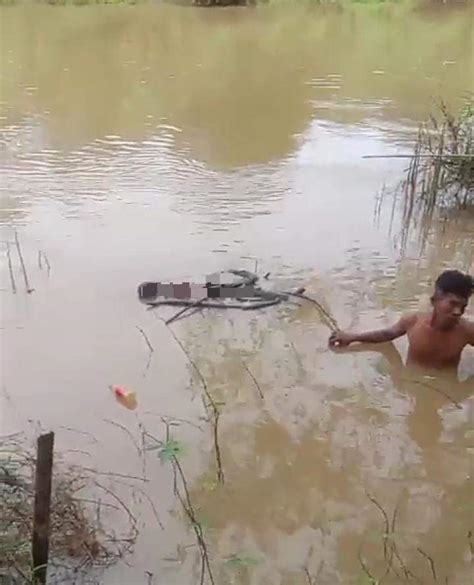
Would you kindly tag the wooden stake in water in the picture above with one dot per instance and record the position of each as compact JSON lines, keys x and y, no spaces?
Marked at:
{"x":23,"y":267}
{"x":10,"y":268}
{"x":42,"y":507}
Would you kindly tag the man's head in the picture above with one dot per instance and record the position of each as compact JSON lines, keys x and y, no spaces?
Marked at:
{"x":453,"y":290}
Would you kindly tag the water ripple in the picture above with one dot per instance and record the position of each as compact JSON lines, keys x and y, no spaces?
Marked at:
{"x":139,"y":172}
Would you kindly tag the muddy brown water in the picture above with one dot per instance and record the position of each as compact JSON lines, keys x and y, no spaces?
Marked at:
{"x":164,"y":143}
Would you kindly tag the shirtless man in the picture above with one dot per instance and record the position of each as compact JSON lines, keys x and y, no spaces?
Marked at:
{"x":436,"y":339}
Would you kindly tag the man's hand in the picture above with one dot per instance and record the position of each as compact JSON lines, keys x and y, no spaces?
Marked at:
{"x":340,"y":339}
{"x":343,"y":339}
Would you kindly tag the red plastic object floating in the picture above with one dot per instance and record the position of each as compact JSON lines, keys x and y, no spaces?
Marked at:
{"x":125,"y":397}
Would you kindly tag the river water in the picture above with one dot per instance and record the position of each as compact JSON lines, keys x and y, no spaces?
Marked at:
{"x":165,"y":143}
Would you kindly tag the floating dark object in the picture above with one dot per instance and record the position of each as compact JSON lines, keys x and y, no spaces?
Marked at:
{"x":231,"y":289}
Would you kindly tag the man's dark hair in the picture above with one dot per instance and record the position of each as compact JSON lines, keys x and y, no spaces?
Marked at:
{"x":456,"y":283}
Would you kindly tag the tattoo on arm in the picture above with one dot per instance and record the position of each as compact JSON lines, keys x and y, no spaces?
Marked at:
{"x":387,"y":334}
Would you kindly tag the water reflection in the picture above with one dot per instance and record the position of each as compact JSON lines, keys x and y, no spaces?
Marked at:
{"x":237,"y":96}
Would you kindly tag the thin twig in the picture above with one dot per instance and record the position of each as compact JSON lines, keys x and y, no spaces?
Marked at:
{"x":132,"y":518}
{"x":220,"y":471}
{"x":319,"y":571}
{"x":123,"y":428}
{"x":330,"y":321}
{"x":198,"y":303}
{"x":113,"y":474}
{"x":365,"y":568}
{"x":22,"y":262}
{"x":212,"y":404}
{"x":430,"y":560}
{"x":22,"y":575}
{"x":150,"y":348}
{"x":404,"y":568}
{"x":147,"y":341}
{"x":311,"y":580}
{"x":143,"y":448}
{"x":80,"y":451}
{"x":456,"y":404}
{"x":386,"y":523}
{"x":203,"y":570}
{"x":308,"y":576}
{"x":195,"y":368}
{"x":48,"y":265}
{"x":152,"y":505}
{"x":85,"y":433}
{"x":254,"y":379}
{"x":197,"y":310}
{"x":175,"y":419}
{"x":189,"y":509}
{"x":153,"y":438}
{"x":401,"y":562}
{"x":96,"y":502}
{"x":394,"y":516}
{"x":197,"y":530}
{"x":10,"y":268}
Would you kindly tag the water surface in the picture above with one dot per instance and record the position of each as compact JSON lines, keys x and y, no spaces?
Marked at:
{"x":163,"y":143}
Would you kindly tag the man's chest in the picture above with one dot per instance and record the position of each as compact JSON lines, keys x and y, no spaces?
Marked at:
{"x":436,"y":346}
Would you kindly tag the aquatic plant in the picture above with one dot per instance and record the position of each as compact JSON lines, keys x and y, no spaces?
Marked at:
{"x":170,"y":450}
{"x":441,"y":170}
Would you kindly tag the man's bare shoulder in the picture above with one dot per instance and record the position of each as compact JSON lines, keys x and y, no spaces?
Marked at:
{"x":409,"y":320}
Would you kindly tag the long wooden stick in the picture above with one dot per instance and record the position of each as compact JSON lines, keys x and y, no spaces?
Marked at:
{"x":330,"y":321}
{"x":42,"y":507}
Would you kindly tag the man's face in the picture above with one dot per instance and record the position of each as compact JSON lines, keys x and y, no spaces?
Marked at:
{"x":448,"y":308}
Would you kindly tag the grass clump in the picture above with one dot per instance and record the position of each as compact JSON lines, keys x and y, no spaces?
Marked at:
{"x":441,"y":171}
{"x":80,"y":544}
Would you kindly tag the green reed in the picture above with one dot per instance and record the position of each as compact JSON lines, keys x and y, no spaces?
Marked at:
{"x":441,"y":170}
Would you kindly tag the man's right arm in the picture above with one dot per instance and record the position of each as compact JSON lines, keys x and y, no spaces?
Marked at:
{"x":343,"y":339}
